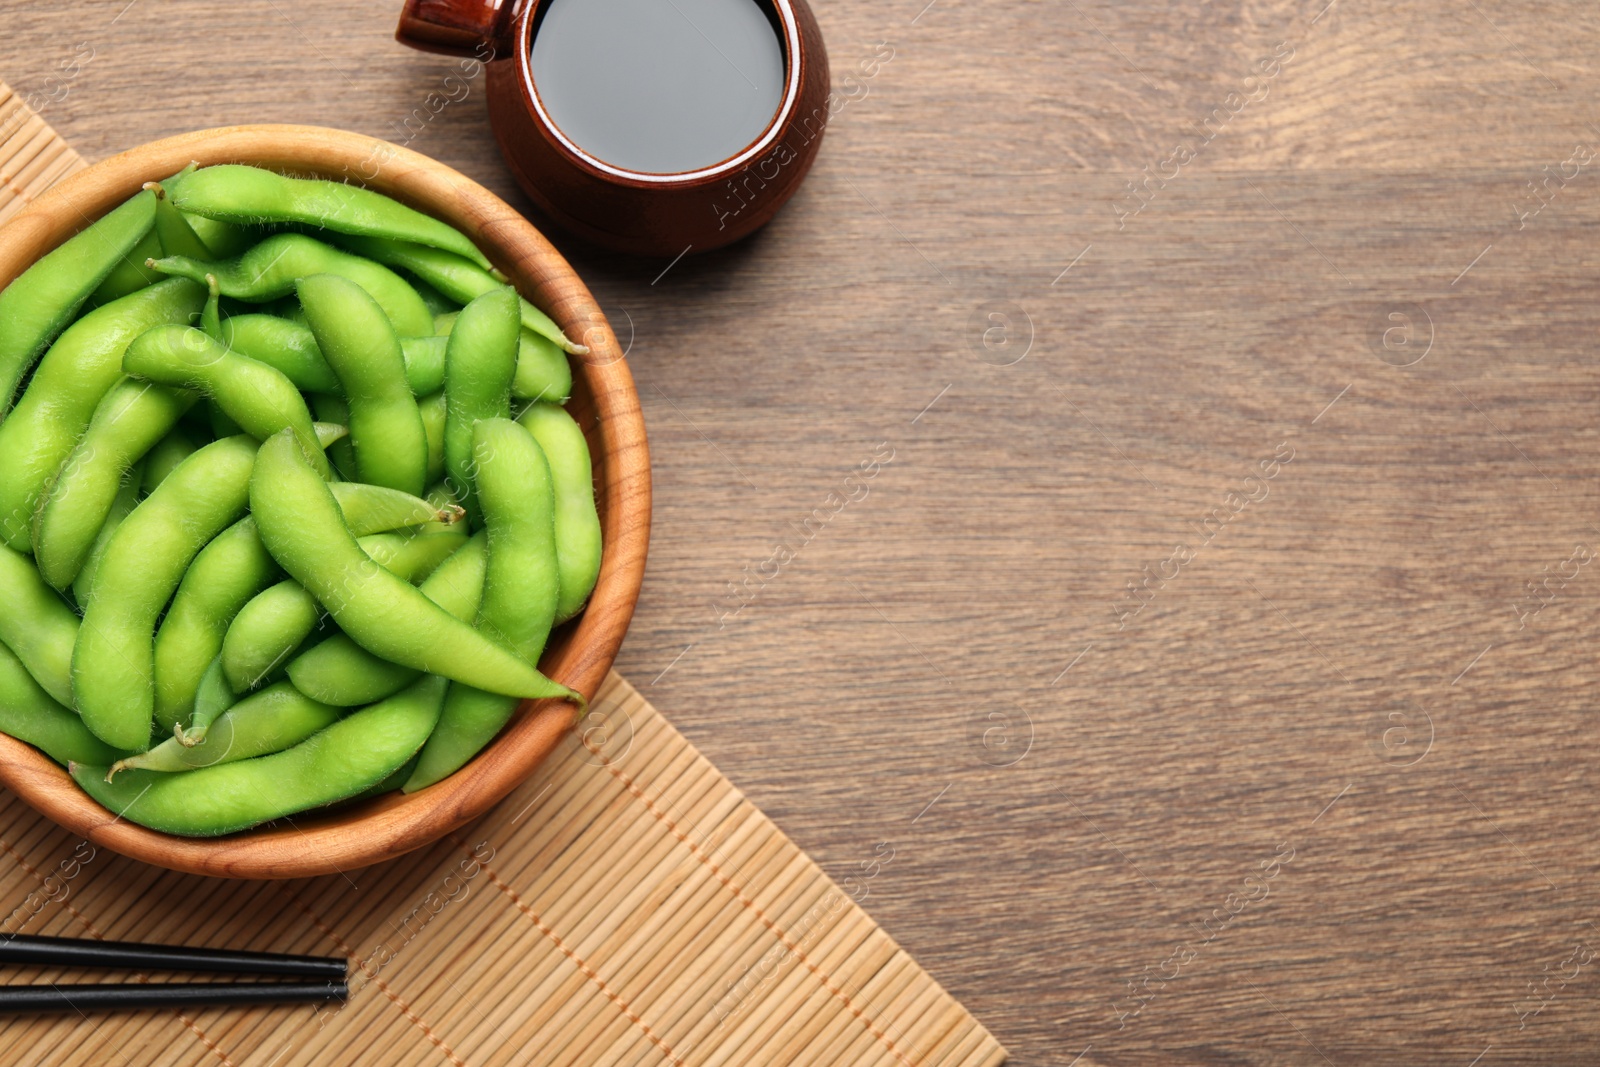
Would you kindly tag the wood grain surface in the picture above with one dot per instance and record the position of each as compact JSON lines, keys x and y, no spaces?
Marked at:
{"x":1329,"y":796}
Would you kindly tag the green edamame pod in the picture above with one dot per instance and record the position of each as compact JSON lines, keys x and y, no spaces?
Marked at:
{"x":79,"y":369}
{"x":341,"y":455}
{"x":521,"y":586}
{"x":386,"y":431}
{"x":479,"y":363}
{"x":543,"y":371}
{"x":131,"y":273}
{"x":165,"y":455}
{"x":268,"y":270}
{"x":372,"y":509}
{"x":276,"y":718}
{"x":265,"y":632}
{"x":577,"y":521}
{"x":43,"y":298}
{"x":224,"y":576}
{"x":113,"y":661}
{"x":211,"y":698}
{"x":222,"y":239}
{"x":338,"y":671}
{"x":348,"y":757}
{"x":29,"y":714}
{"x":126,"y":500}
{"x":412,"y":555}
{"x":242,"y":194}
{"x":127,"y":423}
{"x":257,"y":397}
{"x":457,"y":278}
{"x":433,"y":411}
{"x":177,"y":236}
{"x":300,"y":524}
{"x":37,"y":625}
{"x":329,"y":433}
{"x":292,"y":348}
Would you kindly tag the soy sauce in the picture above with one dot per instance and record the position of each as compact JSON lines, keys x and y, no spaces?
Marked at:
{"x":658,"y":86}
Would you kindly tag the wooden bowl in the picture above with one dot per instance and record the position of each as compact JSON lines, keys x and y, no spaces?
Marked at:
{"x":604,"y":403}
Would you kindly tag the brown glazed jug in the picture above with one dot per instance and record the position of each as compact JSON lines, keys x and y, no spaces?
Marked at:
{"x":627,"y":210}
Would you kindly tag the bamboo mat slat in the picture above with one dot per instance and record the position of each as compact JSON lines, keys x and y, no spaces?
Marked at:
{"x":625,"y":907}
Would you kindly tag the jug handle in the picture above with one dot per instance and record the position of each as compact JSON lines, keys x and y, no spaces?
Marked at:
{"x":478,"y":28}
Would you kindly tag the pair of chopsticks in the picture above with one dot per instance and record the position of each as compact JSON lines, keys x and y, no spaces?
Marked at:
{"x":303,"y":978}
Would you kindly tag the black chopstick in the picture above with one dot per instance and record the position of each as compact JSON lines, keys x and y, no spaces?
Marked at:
{"x":86,"y":998}
{"x":82,"y":952}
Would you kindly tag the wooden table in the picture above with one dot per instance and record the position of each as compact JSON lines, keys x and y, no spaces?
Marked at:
{"x":1319,"y":787}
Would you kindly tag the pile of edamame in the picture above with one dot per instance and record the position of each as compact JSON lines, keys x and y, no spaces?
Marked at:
{"x":289,"y":502}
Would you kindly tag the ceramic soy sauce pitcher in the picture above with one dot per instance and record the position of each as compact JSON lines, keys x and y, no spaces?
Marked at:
{"x":702,"y":156}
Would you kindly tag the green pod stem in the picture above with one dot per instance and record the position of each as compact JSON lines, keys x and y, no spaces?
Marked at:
{"x":268,"y":629}
{"x":172,"y":228}
{"x":122,"y":506}
{"x":338,"y":671}
{"x":341,"y":455}
{"x":345,"y":759}
{"x":265,"y":633}
{"x":30,"y":714}
{"x":521,"y":585}
{"x":543,"y":370}
{"x":276,"y":718}
{"x":225,"y":575}
{"x":459,"y":279}
{"x":434,"y":412}
{"x":257,"y":397}
{"x":165,"y":455}
{"x":75,"y":373}
{"x":127,"y":423}
{"x":42,"y":300}
{"x":373,"y":509}
{"x":386,"y":431}
{"x":578,"y":541}
{"x":479,"y":363}
{"x":131,"y":273}
{"x":292,"y":348}
{"x":113,"y":661}
{"x":252,"y":195}
{"x":212,"y":697}
{"x":37,"y":625}
{"x":268,"y":270}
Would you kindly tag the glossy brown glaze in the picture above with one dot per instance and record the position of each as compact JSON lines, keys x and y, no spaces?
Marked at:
{"x":604,"y":403}
{"x":656,"y":215}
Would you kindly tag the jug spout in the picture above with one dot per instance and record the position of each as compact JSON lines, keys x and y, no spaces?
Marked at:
{"x":478,"y":28}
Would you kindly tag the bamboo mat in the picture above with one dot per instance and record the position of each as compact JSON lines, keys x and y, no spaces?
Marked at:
{"x":625,"y":906}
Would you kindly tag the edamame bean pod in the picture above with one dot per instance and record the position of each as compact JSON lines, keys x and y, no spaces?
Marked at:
{"x":300,"y":523}
{"x":126,"y":500}
{"x":113,"y":661}
{"x":386,"y":430}
{"x":79,"y":369}
{"x":333,"y":409}
{"x":257,"y":397}
{"x":521,"y":585}
{"x":292,"y":348}
{"x":432,"y":409}
{"x":578,"y":543}
{"x":372,"y":509}
{"x":543,"y":371}
{"x":268,"y":270}
{"x":127,"y":423}
{"x":352,"y":755}
{"x":479,"y":363}
{"x":165,"y":455}
{"x":276,"y":718}
{"x":329,"y":433}
{"x":229,"y":571}
{"x":37,"y":625}
{"x":43,"y":298}
{"x":213,"y":697}
{"x":177,"y":236}
{"x":265,"y":632}
{"x":457,"y":278}
{"x":29,"y":714}
{"x":131,"y":273}
{"x":243,"y":194}
{"x":340,"y":672}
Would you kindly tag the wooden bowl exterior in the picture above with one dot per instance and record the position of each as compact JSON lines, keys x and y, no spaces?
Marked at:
{"x":604,"y":403}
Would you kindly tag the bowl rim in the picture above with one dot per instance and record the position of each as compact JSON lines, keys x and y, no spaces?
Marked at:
{"x":391,"y":825}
